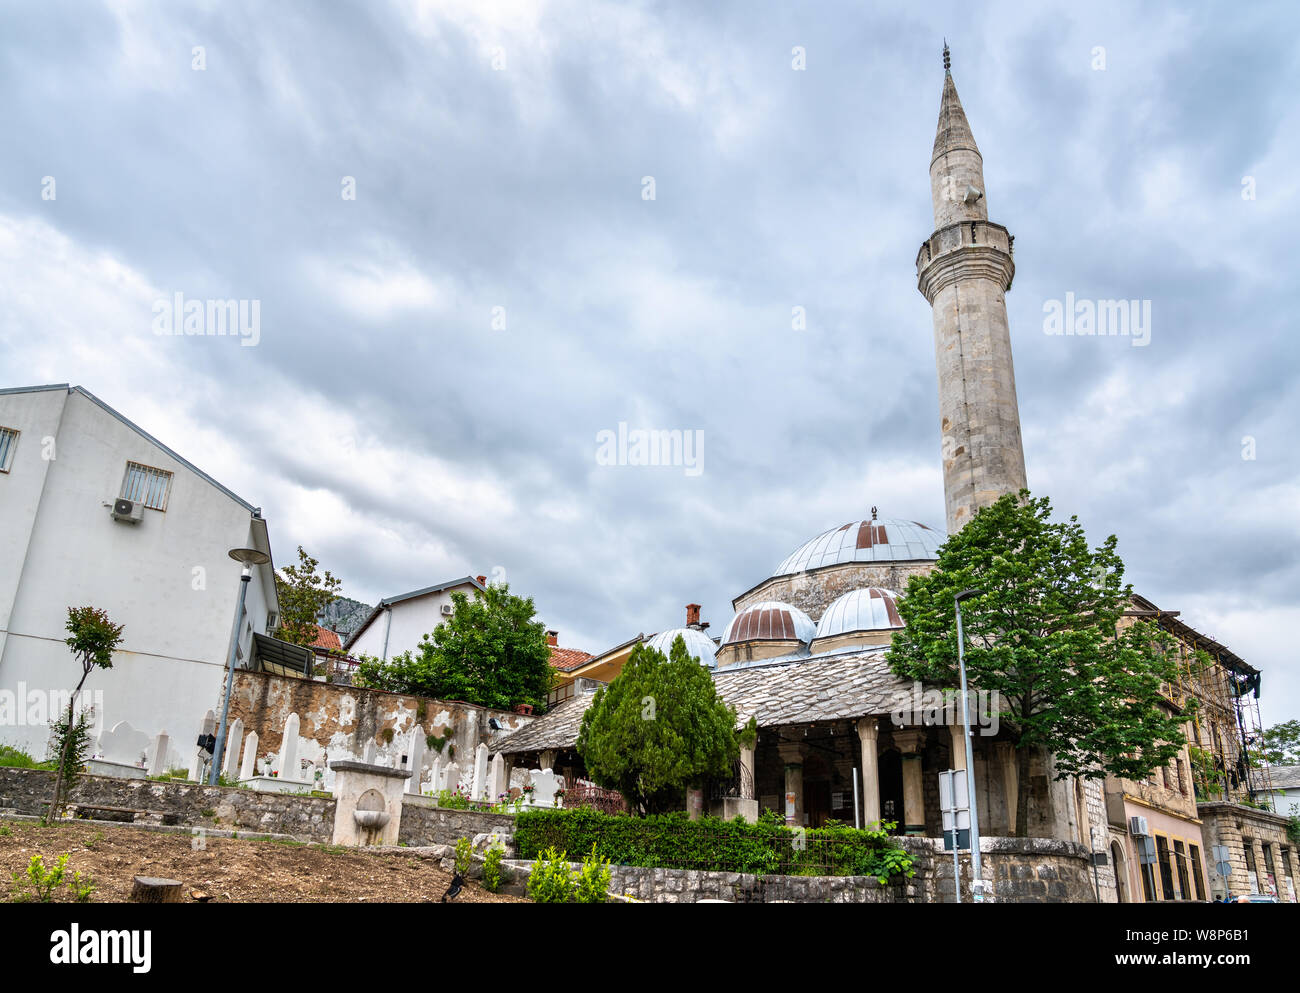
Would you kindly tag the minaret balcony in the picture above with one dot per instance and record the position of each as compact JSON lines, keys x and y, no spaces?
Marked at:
{"x":962,"y":250}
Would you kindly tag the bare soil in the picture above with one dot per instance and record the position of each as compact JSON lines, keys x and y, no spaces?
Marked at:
{"x":227,"y":870}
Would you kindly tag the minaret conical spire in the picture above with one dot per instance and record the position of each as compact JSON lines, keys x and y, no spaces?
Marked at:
{"x":964,"y":270}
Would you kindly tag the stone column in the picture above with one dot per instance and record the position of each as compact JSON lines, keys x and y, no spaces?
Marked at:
{"x":748,"y":790}
{"x":547,"y":759}
{"x":1293,"y":856}
{"x":791,"y":753}
{"x":868,"y":731}
{"x":911,"y":744}
{"x":958,"y":734}
{"x":1261,"y":867}
{"x":1010,"y":780}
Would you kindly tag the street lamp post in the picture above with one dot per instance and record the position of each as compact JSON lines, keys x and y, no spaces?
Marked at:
{"x":248,"y":557}
{"x":977,"y":880}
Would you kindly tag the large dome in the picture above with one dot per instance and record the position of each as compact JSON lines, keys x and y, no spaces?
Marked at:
{"x":871,"y":609}
{"x":770,"y":620}
{"x":698,"y":644}
{"x":884,"y":540}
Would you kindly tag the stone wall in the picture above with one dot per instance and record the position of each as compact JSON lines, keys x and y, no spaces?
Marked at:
{"x":29,"y":790}
{"x":338,"y":722}
{"x":424,"y":825}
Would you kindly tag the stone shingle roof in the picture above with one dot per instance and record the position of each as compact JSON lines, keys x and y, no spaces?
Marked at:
{"x":557,"y":728}
{"x":799,"y":691}
{"x":1284,"y":777}
{"x":831,"y":687}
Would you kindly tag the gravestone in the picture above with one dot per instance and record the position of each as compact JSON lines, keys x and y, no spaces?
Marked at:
{"x":368,"y":756}
{"x":234,"y":738}
{"x":497,"y":778}
{"x":289,"y":750}
{"x":201,"y":756}
{"x":123,"y":744}
{"x":415,"y":759}
{"x":480,"y":772}
{"x":248,"y":767}
{"x":453,"y":777}
{"x":157,"y":761}
{"x":435,"y":776}
{"x":545,"y":783}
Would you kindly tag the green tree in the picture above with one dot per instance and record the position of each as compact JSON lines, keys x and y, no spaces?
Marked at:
{"x":1280,"y":744}
{"x":303,"y":593}
{"x":1045,"y":635}
{"x":490,"y":652}
{"x":93,"y":638}
{"x":658,"y":727}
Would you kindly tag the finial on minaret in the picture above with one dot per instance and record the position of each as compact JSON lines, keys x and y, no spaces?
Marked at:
{"x":873,"y":513}
{"x":947,"y":59}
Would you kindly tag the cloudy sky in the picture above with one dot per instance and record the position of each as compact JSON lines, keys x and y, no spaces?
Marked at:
{"x":500,"y":153}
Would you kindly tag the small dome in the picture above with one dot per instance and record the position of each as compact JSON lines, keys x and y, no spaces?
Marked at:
{"x":698,"y":644}
{"x":870,"y":609}
{"x":884,"y":540}
{"x":770,"y":620}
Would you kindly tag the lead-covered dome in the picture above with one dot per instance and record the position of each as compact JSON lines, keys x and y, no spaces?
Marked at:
{"x":870,"y":609}
{"x":698,"y":644}
{"x":885,"y":540}
{"x":770,"y":620}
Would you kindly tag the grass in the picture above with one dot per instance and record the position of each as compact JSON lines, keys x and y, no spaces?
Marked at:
{"x":16,"y":758}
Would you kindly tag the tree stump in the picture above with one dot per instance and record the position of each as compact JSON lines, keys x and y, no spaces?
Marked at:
{"x":150,"y":889}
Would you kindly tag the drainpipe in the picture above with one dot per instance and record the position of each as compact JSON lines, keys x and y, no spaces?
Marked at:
{"x":388,"y":626}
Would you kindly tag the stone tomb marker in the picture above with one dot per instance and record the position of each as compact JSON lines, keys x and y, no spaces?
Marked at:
{"x":289,"y":750}
{"x":234,"y":739}
{"x":545,"y":783}
{"x":480,"y":772}
{"x":248,"y":767}
{"x":415,"y":759}
{"x":156,"y":764}
{"x":497,"y":777}
{"x":435,"y":776}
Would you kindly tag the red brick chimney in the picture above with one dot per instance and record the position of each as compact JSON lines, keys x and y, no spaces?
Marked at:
{"x":692,"y":615}
{"x":552,"y":637}
{"x":482,"y":580}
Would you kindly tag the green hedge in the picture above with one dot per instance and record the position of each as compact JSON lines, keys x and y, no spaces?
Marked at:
{"x":674,"y":841}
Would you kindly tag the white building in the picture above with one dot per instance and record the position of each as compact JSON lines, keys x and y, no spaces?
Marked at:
{"x":399,"y":623}
{"x":158,"y":566}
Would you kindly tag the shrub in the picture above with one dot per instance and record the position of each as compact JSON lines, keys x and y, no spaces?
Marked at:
{"x":492,"y":869}
{"x":42,"y":881}
{"x":593,"y":879}
{"x":453,"y":799}
{"x":464,"y":855}
{"x":674,"y":841}
{"x":552,"y":878}
{"x":15,"y":758}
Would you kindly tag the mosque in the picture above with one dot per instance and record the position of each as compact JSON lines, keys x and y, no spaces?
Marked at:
{"x":804,"y":653}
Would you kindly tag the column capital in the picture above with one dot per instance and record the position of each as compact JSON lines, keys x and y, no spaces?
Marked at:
{"x":791,"y":752}
{"x":910,"y":742}
{"x":868,"y":728}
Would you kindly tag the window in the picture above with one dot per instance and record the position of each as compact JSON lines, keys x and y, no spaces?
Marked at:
{"x":1166,"y":869}
{"x":1196,"y":872}
{"x":8,"y":442}
{"x":1184,"y":890}
{"x":146,"y":485}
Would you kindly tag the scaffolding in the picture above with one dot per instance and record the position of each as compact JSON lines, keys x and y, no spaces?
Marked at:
{"x":1226,"y":729}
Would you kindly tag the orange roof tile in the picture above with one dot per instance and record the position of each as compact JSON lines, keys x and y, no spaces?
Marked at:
{"x":566,"y":659}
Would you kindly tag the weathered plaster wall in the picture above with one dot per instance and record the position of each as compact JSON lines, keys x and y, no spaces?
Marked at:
{"x":337,"y":722}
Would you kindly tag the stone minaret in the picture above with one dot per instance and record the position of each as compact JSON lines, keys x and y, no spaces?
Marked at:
{"x":963,"y":270}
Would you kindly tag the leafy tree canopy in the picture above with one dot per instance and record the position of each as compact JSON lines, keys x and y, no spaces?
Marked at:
{"x":490,"y":652}
{"x":657,"y":728}
{"x":304,"y":593}
{"x":1046,"y":634}
{"x":1280,"y":744}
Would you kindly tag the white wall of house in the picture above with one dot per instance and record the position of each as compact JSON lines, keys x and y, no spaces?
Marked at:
{"x":167,"y":579}
{"x":410,"y":621}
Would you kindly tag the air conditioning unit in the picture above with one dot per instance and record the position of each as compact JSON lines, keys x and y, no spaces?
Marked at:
{"x":447,"y":609}
{"x":131,"y":511}
{"x":1137,"y":827}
